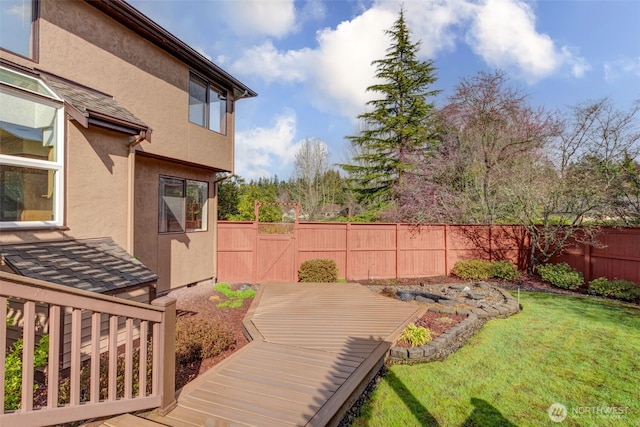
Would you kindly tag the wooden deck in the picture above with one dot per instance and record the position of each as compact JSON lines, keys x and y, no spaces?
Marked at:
{"x":314,"y":348}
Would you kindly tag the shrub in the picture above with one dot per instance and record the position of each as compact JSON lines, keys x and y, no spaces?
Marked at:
{"x":198,"y":338}
{"x":13,"y":370}
{"x":561,"y":275}
{"x":415,"y":336}
{"x":234,"y":298}
{"x":473,"y":269}
{"x":617,"y":288}
{"x":504,"y":270}
{"x":64,"y":396}
{"x":318,"y":270}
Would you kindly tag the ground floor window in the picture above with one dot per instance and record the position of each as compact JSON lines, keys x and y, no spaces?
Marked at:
{"x":31,"y":152}
{"x":182,"y":205}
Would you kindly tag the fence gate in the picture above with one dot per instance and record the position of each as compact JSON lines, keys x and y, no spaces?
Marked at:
{"x":276,"y":248}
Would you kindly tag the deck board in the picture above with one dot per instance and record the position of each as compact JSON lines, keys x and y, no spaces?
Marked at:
{"x":313,"y":346}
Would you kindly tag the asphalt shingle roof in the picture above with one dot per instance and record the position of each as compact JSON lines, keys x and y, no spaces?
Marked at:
{"x":87,"y":101}
{"x":96,"y":265}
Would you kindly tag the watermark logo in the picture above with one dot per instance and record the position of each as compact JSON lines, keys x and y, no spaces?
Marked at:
{"x":557,"y":412}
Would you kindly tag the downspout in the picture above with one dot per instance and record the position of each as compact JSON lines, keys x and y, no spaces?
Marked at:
{"x":215,"y":235}
{"x":133,"y":142}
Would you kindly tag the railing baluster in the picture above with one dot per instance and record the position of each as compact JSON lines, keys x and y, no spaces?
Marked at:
{"x":113,"y":357}
{"x":28,"y":336}
{"x":53,"y":372}
{"x":144,"y":344}
{"x":3,"y":343}
{"x":96,"y":320}
{"x":128,"y":357}
{"x":156,"y":365}
{"x":136,"y":318}
{"x":76,"y":343}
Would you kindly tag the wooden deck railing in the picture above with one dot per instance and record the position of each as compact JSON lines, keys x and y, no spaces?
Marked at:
{"x":154,"y":325}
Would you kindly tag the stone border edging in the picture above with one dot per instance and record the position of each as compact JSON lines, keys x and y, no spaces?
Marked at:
{"x":454,"y":338}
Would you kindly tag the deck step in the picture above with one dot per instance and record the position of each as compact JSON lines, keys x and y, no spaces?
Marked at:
{"x":128,"y":420}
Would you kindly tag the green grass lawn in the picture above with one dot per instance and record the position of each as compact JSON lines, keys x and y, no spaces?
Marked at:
{"x":581,"y":352}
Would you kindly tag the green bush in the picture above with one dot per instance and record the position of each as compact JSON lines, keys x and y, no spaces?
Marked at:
{"x":13,"y":370}
{"x":318,"y":270}
{"x":473,"y":269}
{"x":617,"y":288}
{"x":504,"y":270}
{"x":561,"y":275}
{"x":64,"y":396}
{"x":234,"y":298}
{"x":415,"y":336}
{"x":199,"y":338}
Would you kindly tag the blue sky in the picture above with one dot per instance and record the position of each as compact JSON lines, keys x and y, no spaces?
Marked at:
{"x":310,"y":61}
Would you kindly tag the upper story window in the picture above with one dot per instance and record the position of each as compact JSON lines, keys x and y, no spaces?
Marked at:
{"x":31,"y":152}
{"x":17,"y":26}
{"x":207,"y":105}
{"x":182,"y":205}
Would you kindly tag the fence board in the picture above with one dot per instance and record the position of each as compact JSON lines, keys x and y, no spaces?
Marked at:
{"x":363,"y":251}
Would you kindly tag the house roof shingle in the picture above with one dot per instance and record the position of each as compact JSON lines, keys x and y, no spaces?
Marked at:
{"x":91,"y":103}
{"x":96,"y":265}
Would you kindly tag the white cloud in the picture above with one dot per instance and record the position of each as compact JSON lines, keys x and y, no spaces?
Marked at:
{"x":503,"y":32}
{"x":338,"y":70}
{"x":274,"y":18}
{"x":22,"y":10}
{"x":313,"y":10}
{"x":614,"y":70}
{"x":342,"y":69}
{"x":201,"y":51}
{"x":579,"y":66}
{"x":259,"y":151}
{"x":434,"y":23}
{"x":273,"y":65}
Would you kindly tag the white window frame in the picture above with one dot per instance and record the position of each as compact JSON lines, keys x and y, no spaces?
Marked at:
{"x":56,"y":166}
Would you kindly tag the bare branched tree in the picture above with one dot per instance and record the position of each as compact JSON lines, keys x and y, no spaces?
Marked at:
{"x":308,"y":185}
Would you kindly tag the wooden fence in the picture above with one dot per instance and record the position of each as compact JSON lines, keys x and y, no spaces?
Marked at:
{"x":362,"y":251}
{"x":617,"y":258}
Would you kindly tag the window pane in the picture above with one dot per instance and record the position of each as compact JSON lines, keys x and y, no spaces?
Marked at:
{"x":16,"y":17}
{"x":27,"y":128}
{"x":171,"y":205}
{"x":197,"y":195}
{"x":217,"y":111}
{"x":26,"y":194}
{"x":197,"y":101}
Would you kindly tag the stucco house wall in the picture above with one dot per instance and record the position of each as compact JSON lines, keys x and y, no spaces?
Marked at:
{"x":111,"y":190}
{"x":177,"y":258}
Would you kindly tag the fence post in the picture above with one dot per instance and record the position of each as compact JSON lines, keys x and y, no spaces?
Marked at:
{"x":347,"y":258}
{"x":587,"y":263}
{"x":167,"y":360}
{"x":446,"y":250}
{"x":397,"y":250}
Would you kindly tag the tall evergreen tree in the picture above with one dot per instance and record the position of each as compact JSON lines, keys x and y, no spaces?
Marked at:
{"x":401,"y":121}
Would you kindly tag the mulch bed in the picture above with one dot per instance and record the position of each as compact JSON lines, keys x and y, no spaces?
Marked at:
{"x":437,"y":323}
{"x":202,"y":300}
